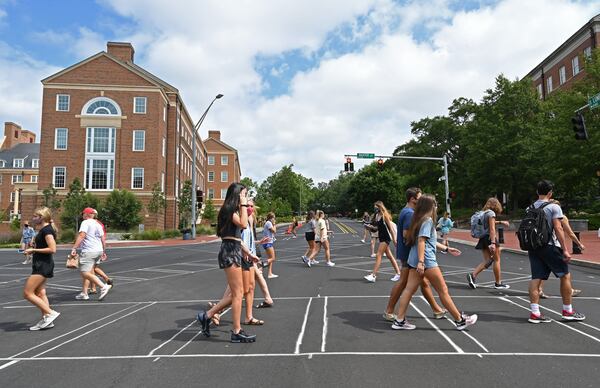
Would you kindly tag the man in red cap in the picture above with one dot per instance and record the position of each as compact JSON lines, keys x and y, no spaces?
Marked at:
{"x":89,"y":243}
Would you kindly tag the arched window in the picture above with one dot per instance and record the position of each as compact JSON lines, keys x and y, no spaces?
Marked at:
{"x":101,"y":106}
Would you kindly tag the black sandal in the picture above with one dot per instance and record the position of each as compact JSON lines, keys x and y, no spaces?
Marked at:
{"x":264,"y":305}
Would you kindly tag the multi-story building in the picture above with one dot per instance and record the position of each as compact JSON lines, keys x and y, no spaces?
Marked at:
{"x":19,"y":168}
{"x":114,"y":125}
{"x":566,"y":64}
{"x":223,"y":167}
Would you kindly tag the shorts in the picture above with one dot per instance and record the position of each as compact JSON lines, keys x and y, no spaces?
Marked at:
{"x":387,"y":241}
{"x":309,"y":236}
{"x":87,"y":260}
{"x":403,"y":262}
{"x":267,"y":245}
{"x":545,"y":260}
{"x":484,"y":243}
{"x":230,"y":254}
{"x":247,"y":265}
{"x":44,"y":268}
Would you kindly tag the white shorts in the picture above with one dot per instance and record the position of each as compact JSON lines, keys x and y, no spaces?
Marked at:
{"x":87,"y":260}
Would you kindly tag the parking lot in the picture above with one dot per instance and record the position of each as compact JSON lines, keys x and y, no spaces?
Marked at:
{"x":325,"y":327}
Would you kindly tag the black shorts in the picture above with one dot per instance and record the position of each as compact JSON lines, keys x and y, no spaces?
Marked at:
{"x":545,"y":260}
{"x":309,"y":236}
{"x":385,"y":241}
{"x":484,"y":243}
{"x":44,"y":268}
{"x":230,"y":254}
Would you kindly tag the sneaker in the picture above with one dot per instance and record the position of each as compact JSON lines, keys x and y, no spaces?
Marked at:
{"x":37,"y":327}
{"x":304,"y":259}
{"x":294,"y":237}
{"x":466,"y":321}
{"x":362,"y":241}
{"x":575,"y":292}
{"x":443,"y":252}
{"x":273,"y":276}
{"x":389,"y":317}
{"x":395,"y":278}
{"x":204,"y":323}
{"x":330,"y":264}
{"x":572,"y":316}
{"x":538,"y":318}
{"x":543,"y":295}
{"x":110,"y":282}
{"x":26,"y":262}
{"x":373,"y":255}
{"x":48,"y":319}
{"x":103,"y":291}
{"x":441,"y":314}
{"x":501,"y":286}
{"x":384,"y":254}
{"x":82,"y":296}
{"x":308,"y":262}
{"x":471,"y":281}
{"x":242,"y":337}
{"x":370,"y":278}
{"x":402,"y":325}
{"x":314,"y":262}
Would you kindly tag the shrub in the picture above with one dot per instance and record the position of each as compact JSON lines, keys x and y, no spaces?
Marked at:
{"x":172,"y":233}
{"x":151,"y":234}
{"x":126,"y":236}
{"x":206,"y":230}
{"x":67,"y":236}
{"x":15,"y":224}
{"x":121,"y":210}
{"x":10,"y":238}
{"x":594,"y":221}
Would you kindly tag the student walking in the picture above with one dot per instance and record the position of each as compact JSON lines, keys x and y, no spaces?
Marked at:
{"x":27,"y":240}
{"x":402,"y":251}
{"x":309,"y":235}
{"x":97,"y":269}
{"x":269,"y":231}
{"x":89,"y":244}
{"x":444,"y":225}
{"x":386,"y":230}
{"x":321,"y":240}
{"x":489,"y":245}
{"x":294,"y":227}
{"x":551,"y":257}
{"x":232,"y":218}
{"x":42,"y":268}
{"x":366,"y":233}
{"x":423,"y":264}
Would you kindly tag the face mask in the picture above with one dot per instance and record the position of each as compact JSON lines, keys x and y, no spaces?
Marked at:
{"x":376,"y":210}
{"x":250,"y":210}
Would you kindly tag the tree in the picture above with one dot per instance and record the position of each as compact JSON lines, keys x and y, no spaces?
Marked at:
{"x":76,"y":200}
{"x":158,"y":203}
{"x":122,"y":210}
{"x":185,"y":204}
{"x":51,"y":200}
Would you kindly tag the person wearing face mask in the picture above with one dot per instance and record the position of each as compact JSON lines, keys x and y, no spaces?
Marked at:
{"x":386,"y":230}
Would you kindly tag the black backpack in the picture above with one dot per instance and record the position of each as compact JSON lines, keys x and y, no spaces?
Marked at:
{"x":534,"y":231}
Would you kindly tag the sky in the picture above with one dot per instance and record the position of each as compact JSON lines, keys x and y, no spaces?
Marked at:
{"x":304,"y":82}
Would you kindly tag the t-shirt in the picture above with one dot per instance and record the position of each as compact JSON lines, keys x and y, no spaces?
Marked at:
{"x":321,"y":230}
{"x":267,"y":232}
{"x":40,"y":243}
{"x":93,"y":236}
{"x":486,"y":220}
{"x":445,"y":224}
{"x":403,"y":224}
{"x":552,"y":212}
{"x":248,"y":239}
{"x":427,"y":230}
{"x":28,"y":234}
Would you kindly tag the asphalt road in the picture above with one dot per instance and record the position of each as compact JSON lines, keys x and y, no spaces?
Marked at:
{"x":325,"y":328}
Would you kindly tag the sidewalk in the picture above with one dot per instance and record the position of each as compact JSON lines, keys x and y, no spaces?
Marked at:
{"x":151,"y":243}
{"x":589,"y":258}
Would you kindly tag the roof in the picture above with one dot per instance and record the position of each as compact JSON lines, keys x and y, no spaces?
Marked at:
{"x":27,"y":151}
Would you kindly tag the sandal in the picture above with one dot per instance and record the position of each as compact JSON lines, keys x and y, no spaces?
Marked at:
{"x":255,"y":322}
{"x":216,"y":319}
{"x":264,"y":305}
{"x":575,"y":292}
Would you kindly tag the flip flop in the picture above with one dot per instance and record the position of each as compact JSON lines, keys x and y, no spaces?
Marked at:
{"x":255,"y":322}
{"x":264,"y":305}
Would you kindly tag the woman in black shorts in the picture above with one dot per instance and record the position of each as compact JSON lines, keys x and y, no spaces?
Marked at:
{"x":232,"y":218}
{"x":42,"y":268}
{"x":309,"y":235}
{"x":387,"y":233}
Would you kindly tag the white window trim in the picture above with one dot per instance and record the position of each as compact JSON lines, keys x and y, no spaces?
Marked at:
{"x":35,"y":163}
{"x":56,"y":138}
{"x":575,"y":65}
{"x":549,"y":84}
{"x":33,"y":180}
{"x":13,"y":180}
{"x":208,"y":176}
{"x":226,"y":160}
{"x":145,"y":106}
{"x":162,"y":182}
{"x":223,"y":193}
{"x":211,"y":193}
{"x":213,"y":160}
{"x":164,"y":147}
{"x":22,"y":164}
{"x":165,"y":113}
{"x":132,"y":176}
{"x":12,"y":200}
{"x":143,"y":143}
{"x":227,"y":179}
{"x":93,"y":100}
{"x":54,"y":176}
{"x":68,"y":102}
{"x":176,"y":187}
{"x":562,"y":75}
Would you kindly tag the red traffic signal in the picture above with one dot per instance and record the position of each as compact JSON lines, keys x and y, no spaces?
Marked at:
{"x":380,"y":162}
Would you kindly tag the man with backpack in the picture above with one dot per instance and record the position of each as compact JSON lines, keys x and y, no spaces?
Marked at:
{"x":541,"y":234}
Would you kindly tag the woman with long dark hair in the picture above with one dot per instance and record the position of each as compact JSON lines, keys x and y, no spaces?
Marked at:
{"x":423,"y":263}
{"x":232,"y":218}
{"x":309,"y":235}
{"x":386,"y":230}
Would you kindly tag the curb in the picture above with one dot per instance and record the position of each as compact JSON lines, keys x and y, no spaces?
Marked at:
{"x":574,"y":261}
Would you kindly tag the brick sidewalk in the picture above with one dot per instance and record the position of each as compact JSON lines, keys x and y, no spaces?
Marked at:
{"x":589,"y":257}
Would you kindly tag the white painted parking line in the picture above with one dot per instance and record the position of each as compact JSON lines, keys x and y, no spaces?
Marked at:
{"x":560,"y":314}
{"x":301,"y":335}
{"x":325,"y":324}
{"x":195,"y":336}
{"x":171,"y":339}
{"x":437,"y":329}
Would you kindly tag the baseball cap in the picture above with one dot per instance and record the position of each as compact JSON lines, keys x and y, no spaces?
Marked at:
{"x":89,"y":210}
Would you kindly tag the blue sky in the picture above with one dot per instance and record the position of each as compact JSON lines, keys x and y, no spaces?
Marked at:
{"x":317,"y":77}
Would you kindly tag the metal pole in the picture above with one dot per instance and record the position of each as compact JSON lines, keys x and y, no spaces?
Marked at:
{"x":194,"y":199}
{"x":446,"y":185}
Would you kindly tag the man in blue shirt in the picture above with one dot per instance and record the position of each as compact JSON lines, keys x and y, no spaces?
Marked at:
{"x":402,"y":251}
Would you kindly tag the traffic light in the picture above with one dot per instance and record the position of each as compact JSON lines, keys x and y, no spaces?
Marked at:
{"x":579,"y":127}
{"x":380,"y":163}
{"x":199,"y":197}
{"x":349,"y":166}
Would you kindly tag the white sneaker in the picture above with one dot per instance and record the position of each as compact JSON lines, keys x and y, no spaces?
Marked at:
{"x":314,"y":262}
{"x":370,"y":278}
{"x":395,"y":278}
{"x":37,"y":327}
{"x":402,"y":325}
{"x":273,"y":276}
{"x":467,"y":320}
{"x":82,"y":296}
{"x":373,"y":255}
{"x":384,"y":254}
{"x":362,"y":241}
{"x":103,"y":291}
{"x":48,"y":319}
{"x":331,"y":264}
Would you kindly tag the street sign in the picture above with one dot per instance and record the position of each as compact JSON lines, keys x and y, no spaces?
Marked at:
{"x":594,"y":101}
{"x":365,"y":156}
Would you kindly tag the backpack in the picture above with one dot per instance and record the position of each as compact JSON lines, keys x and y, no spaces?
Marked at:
{"x":534,"y":231}
{"x":478,"y":227}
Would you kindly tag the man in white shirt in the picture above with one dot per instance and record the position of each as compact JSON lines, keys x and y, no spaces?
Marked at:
{"x":89,"y":243}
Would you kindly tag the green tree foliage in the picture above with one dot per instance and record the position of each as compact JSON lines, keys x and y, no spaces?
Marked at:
{"x":158,"y":203}
{"x":210,"y":213}
{"x":121,"y":210}
{"x":285,"y":192}
{"x":185,"y":204}
{"x":76,"y":200}
{"x":51,"y":200}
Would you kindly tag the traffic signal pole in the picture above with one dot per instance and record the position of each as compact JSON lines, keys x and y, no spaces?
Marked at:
{"x":443,"y":159}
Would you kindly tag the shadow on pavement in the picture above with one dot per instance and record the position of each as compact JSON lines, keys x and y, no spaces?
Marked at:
{"x":364,"y":320}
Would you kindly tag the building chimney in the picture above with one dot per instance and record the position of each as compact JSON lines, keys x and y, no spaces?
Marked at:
{"x":12,"y":133}
{"x":215,"y":135}
{"x":121,"y":50}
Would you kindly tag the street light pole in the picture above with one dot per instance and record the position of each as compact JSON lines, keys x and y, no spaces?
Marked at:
{"x":196,"y":128}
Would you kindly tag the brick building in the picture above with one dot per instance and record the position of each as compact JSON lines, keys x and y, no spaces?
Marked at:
{"x":223,"y":167}
{"x":19,"y":168}
{"x":114,"y":125}
{"x":566,"y":63}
